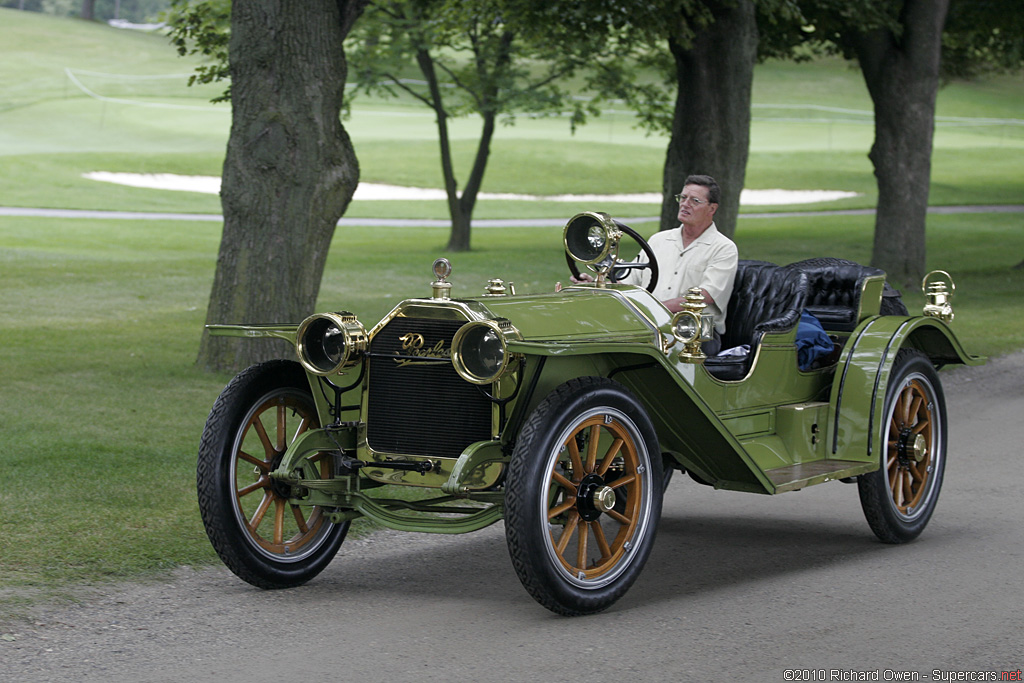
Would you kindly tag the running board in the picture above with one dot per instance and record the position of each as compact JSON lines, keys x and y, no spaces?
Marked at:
{"x":796,"y":477}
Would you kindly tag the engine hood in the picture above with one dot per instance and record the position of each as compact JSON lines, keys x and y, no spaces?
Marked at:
{"x":579,"y":314}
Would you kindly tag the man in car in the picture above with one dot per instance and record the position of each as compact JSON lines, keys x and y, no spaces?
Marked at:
{"x":695,"y":255}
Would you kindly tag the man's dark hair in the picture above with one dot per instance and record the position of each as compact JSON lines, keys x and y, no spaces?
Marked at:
{"x":714,"y":192}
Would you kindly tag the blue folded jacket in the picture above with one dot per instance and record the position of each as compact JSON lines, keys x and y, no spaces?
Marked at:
{"x":811,"y":341}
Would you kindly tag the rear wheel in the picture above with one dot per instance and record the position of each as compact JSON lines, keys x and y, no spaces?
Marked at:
{"x":583,"y":496}
{"x":898,"y":498}
{"x":259,"y":535}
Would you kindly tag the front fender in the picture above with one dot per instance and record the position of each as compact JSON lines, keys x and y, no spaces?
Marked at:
{"x":862,"y":376}
{"x":286,"y":332}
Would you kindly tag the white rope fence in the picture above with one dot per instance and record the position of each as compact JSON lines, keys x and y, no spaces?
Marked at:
{"x":70,"y":73}
{"x":861,"y":116}
{"x":841,"y":115}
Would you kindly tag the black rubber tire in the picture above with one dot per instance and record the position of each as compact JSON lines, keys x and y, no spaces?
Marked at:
{"x":564,"y":580}
{"x":288,"y":545}
{"x":900,"y":496}
{"x":892,"y":302}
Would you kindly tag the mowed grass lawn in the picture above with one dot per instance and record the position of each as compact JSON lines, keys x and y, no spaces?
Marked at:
{"x":101,"y":408}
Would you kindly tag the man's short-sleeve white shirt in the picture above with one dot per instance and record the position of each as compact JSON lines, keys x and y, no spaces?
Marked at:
{"x":709,"y":262}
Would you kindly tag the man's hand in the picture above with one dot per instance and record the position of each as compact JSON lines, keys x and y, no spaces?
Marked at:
{"x":676,"y":305}
{"x":584,"y":277}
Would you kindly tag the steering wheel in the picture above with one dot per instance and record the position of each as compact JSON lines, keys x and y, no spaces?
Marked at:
{"x":620,"y":269}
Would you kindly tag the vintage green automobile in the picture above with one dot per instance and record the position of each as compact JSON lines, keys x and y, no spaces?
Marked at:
{"x":565,"y":413}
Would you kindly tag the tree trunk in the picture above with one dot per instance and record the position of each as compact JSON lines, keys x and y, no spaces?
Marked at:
{"x":289,"y":173}
{"x":460,"y":220}
{"x":459,"y":239}
{"x":902,"y":76}
{"x":711,"y":124}
{"x":88,"y":9}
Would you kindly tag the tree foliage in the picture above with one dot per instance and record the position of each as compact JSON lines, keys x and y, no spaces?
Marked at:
{"x":472,"y":57}
{"x":906,"y":49}
{"x":203,"y":28}
{"x":983,"y":36}
{"x":702,"y":53}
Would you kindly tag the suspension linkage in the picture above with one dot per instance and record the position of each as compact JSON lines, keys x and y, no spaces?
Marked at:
{"x":348,"y":464}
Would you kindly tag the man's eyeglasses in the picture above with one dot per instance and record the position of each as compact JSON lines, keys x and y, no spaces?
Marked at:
{"x":694,"y":201}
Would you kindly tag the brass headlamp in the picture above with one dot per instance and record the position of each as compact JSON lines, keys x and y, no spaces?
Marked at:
{"x":480,"y":350}
{"x":591,"y":238}
{"x":328,"y":342}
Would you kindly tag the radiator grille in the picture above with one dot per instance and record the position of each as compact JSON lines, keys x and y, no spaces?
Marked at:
{"x":420,"y":405}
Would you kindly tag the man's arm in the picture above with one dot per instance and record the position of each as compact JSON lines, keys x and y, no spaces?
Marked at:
{"x":676,"y":305}
{"x":637,"y":276}
{"x":717,"y":280}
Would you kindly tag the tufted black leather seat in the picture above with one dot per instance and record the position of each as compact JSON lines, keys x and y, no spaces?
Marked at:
{"x":765,"y":298}
{"x":834,"y":290}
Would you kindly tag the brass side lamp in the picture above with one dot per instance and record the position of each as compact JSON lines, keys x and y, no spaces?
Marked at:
{"x":691,"y":326}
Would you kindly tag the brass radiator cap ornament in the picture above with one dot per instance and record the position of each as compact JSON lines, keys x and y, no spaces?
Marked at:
{"x":442,"y":289}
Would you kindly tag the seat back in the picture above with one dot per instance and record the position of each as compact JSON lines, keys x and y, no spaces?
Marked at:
{"x":834,"y":292}
{"x":764,"y":298}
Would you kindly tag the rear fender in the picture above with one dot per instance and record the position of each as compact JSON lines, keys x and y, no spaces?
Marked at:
{"x":862,"y":377}
{"x":285,"y":332}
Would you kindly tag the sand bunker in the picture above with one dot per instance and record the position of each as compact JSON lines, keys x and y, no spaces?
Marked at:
{"x":374,"y":191}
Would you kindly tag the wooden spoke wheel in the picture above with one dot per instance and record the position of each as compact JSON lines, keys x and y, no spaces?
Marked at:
{"x":584,"y":496}
{"x":594,"y":498}
{"x":257,"y":532}
{"x":898,"y":499}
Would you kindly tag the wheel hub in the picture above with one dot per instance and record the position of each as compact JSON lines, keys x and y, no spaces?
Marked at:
{"x":920,"y":448}
{"x":604,"y":498}
{"x":594,"y":497}
{"x":911,"y":447}
{"x":279,"y":488}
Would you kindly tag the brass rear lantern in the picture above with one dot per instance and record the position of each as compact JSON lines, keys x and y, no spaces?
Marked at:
{"x":938,"y":288}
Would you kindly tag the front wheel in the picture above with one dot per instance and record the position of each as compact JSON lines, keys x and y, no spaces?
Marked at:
{"x":583,"y":496}
{"x":898,"y":498}
{"x":258,"y":533}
